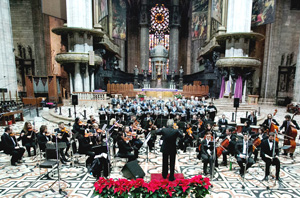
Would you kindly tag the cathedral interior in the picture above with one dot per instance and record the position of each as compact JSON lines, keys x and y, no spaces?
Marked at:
{"x":73,"y":61}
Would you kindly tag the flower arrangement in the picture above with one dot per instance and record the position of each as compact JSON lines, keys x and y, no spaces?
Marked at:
{"x":141,"y":95}
{"x":178,"y":95}
{"x":197,"y":186}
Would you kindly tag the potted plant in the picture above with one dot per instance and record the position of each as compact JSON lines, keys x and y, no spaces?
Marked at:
{"x":178,"y":95}
{"x":141,"y":95}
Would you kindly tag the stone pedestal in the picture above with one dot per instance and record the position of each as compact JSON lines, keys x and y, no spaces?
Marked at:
{"x":135,"y":83}
{"x":180,"y":83}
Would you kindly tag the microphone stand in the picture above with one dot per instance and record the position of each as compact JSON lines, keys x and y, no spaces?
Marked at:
{"x":245,"y":166}
{"x":107,"y":145}
{"x":214,"y":157}
{"x":60,"y":191}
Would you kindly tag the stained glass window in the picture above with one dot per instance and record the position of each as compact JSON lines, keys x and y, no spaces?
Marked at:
{"x":159,"y":30}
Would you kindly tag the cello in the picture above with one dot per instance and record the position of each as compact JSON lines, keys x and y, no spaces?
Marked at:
{"x":290,"y":137}
{"x":274,"y":128}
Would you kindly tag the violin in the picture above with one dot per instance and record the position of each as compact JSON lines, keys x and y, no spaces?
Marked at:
{"x":189,"y":131}
{"x":64,"y":130}
{"x":175,"y":126}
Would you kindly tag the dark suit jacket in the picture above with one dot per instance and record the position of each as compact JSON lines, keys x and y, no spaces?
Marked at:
{"x":239,"y":147}
{"x":169,"y":136}
{"x":205,"y":148}
{"x":254,"y":122}
{"x":8,"y":145}
{"x":284,"y":125}
{"x":266,"y":123}
{"x":220,"y":122}
{"x":265,"y":148}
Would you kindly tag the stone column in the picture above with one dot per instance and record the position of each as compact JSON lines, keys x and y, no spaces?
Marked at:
{"x":144,"y":36}
{"x":8,"y":76}
{"x":71,"y":82}
{"x":92,"y":81}
{"x":174,"y":36}
{"x":297,"y":78}
{"x":86,"y":79}
{"x":77,"y":79}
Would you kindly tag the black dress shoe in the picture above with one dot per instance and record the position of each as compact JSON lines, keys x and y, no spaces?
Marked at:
{"x":13,"y":164}
{"x":171,"y":178}
{"x":66,"y":154}
{"x":266,"y":178}
{"x":279,"y":179}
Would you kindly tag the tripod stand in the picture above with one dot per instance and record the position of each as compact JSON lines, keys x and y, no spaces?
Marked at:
{"x":58,"y":180}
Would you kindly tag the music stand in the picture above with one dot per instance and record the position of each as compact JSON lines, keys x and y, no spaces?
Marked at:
{"x":58,"y":146}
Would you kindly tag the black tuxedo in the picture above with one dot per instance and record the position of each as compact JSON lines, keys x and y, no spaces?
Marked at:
{"x":252,"y":120}
{"x":168,"y":148}
{"x":222,"y":122}
{"x":9,"y":146}
{"x":230,"y":149}
{"x":42,"y":140}
{"x":239,"y":150}
{"x":267,"y":151}
{"x":207,"y":153}
{"x":267,"y":123}
{"x":125,"y":150}
{"x":86,"y":148}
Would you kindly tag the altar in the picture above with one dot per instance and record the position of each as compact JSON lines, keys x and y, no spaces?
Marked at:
{"x":160,"y":92}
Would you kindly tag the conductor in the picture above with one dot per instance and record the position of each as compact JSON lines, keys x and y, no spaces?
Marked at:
{"x":168,"y":148}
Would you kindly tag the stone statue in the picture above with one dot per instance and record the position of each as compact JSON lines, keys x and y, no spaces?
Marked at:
{"x":172,"y":76}
{"x":136,"y":71}
{"x":181,"y":72}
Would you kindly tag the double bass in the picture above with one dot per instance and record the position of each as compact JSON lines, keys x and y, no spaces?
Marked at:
{"x":274,"y":128}
{"x":290,"y":137}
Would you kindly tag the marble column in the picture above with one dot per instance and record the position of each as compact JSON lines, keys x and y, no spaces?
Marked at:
{"x":144,"y":36}
{"x":174,"y":37}
{"x":8,"y":76}
{"x":297,"y":78}
{"x":92,"y":77}
{"x":86,"y":79}
{"x":71,"y":82}
{"x":78,"y":87}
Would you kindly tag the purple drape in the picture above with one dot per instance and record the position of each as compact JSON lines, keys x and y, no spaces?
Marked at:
{"x":222,"y":88}
{"x":238,"y":88}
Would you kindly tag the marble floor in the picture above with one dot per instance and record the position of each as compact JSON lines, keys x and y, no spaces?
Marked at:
{"x":27,"y":180}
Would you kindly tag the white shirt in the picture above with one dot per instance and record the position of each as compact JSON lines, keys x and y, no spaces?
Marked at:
{"x":244,"y":147}
{"x":270,"y":144}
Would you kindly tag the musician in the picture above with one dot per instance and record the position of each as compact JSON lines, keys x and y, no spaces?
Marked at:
{"x":126,"y":112}
{"x":115,"y":101}
{"x":28,"y":136}
{"x":267,"y":122}
{"x":118,"y":112}
{"x":110,"y":112}
{"x":44,"y":137}
{"x":78,"y":127}
{"x":102,"y":115}
{"x":150,"y":128}
{"x":244,"y":150}
{"x":183,"y":113}
{"x":252,"y":118}
{"x":246,"y":128}
{"x":62,"y":136}
{"x":212,"y":111}
{"x":165,"y":113}
{"x":100,"y":134}
{"x":168,"y":148}
{"x":147,"y":118}
{"x":202,"y":111}
{"x":206,"y":119}
{"x":85,"y":147}
{"x":207,"y":153}
{"x":91,"y":121}
{"x":222,"y":123}
{"x":286,"y":125}
{"x":231,"y":147}
{"x":189,"y":136}
{"x":135,"y":142}
{"x":124,"y":147}
{"x":262,"y":136}
{"x":270,"y":154}
{"x":11,"y":146}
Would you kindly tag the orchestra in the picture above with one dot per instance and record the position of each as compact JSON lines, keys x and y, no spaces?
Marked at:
{"x":132,"y":121}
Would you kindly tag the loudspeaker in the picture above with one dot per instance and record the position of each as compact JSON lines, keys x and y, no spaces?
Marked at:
{"x":236,"y":103}
{"x":132,"y":170}
{"x":74,"y":99}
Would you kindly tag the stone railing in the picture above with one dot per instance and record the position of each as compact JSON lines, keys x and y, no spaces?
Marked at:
{"x":91,"y":95}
